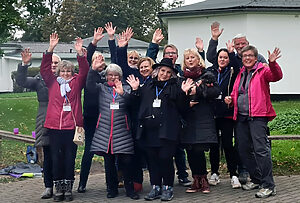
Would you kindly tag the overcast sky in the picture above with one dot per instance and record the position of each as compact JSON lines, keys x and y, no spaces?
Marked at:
{"x":187,"y":2}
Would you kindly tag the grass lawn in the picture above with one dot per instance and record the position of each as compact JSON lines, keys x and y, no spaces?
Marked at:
{"x":19,"y":111}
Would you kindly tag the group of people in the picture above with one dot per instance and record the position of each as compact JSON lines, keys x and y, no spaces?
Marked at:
{"x":141,"y":112}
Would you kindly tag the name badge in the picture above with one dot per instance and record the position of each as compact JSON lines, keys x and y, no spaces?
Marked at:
{"x":67,"y":107}
{"x":114,"y":105}
{"x":156,"y":103}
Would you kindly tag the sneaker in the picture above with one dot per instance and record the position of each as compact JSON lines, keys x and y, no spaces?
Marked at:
{"x":250,"y":186}
{"x":265,"y":192}
{"x":155,"y":193}
{"x":185,"y":182}
{"x":48,"y":193}
{"x":214,"y":179}
{"x":244,"y":177}
{"x":167,"y":193}
{"x":81,"y":189}
{"x":235,"y":183}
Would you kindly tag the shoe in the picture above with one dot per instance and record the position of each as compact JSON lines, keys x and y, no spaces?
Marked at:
{"x":59,"y":191}
{"x":167,"y":193}
{"x":48,"y":193}
{"x":138,"y":187}
{"x":195,"y":187}
{"x":244,"y":177}
{"x":155,"y":193}
{"x":235,"y":183}
{"x":214,"y":179}
{"x":133,"y":196}
{"x":68,"y":190}
{"x":265,"y":192}
{"x":112,"y":194}
{"x":121,"y":184}
{"x":185,"y":182}
{"x":81,"y":189}
{"x":204,"y":186}
{"x":250,"y":186}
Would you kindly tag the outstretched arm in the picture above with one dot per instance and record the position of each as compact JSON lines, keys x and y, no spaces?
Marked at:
{"x":153,"y":48}
{"x":53,"y":42}
{"x":274,"y":72}
{"x":98,"y":35}
{"x":111,"y":41}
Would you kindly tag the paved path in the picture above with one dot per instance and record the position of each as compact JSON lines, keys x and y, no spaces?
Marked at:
{"x":288,"y":190}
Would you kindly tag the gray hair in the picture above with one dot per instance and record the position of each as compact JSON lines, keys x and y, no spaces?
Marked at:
{"x":114,"y":68}
{"x":156,"y":70}
{"x":64,"y":64}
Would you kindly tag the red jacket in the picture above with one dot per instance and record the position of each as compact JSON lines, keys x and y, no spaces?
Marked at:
{"x":258,"y":91}
{"x":57,"y":118}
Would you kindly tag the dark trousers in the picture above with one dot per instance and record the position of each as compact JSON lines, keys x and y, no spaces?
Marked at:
{"x":47,"y":167}
{"x":197,"y":160}
{"x":180,"y":162}
{"x":63,"y":151}
{"x":255,"y":149}
{"x":161,"y":166}
{"x":139,"y":162}
{"x":225,"y":127}
{"x":111,"y":176}
{"x":86,"y":162}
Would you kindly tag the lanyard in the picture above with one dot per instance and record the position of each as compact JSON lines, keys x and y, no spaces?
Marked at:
{"x":220,"y":80}
{"x":67,"y":100}
{"x":158,"y":93}
{"x":112,"y":93}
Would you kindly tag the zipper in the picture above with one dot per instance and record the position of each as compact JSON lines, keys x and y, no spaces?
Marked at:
{"x":126,"y":122}
{"x":98,"y":120}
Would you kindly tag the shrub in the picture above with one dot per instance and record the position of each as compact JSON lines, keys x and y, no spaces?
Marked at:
{"x":286,"y":122}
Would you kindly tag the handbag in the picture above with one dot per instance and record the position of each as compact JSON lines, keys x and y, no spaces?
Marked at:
{"x":79,"y":136}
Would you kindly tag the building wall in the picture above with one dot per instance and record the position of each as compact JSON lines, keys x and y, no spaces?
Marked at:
{"x":265,"y":31}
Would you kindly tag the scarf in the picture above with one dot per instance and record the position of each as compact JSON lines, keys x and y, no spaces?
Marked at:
{"x":194,"y":73}
{"x":64,"y":85}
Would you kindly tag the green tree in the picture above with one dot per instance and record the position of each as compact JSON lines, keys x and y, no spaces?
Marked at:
{"x":10,"y":19}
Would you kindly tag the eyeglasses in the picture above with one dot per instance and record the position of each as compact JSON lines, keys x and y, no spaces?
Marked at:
{"x":134,"y":58}
{"x":170,"y":53}
{"x":112,"y":75}
{"x":248,"y":56}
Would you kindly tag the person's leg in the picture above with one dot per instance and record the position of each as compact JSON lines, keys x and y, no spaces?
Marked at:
{"x":193,"y":161}
{"x":180,"y":161}
{"x":47,"y":170}
{"x":86,"y":162}
{"x":262,"y":150}
{"x":245,"y":148}
{"x":111,"y":175}
{"x":214,"y":151}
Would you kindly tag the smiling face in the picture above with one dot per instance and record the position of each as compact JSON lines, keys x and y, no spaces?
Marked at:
{"x":133,"y":59}
{"x":191,"y":60}
{"x":164,"y":73}
{"x":171,"y":53}
{"x":223,"y":59}
{"x":249,"y":59}
{"x":239,"y":44}
{"x":145,"y":69}
{"x":111,"y":76}
{"x":65,"y":73}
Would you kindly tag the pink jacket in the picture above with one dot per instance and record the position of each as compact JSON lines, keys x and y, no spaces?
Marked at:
{"x":57,"y":118}
{"x":258,"y":91}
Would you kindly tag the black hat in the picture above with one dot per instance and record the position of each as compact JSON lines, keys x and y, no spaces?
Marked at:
{"x":165,"y":62}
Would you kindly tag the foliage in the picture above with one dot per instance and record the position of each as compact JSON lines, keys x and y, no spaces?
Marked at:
{"x":10,"y":18}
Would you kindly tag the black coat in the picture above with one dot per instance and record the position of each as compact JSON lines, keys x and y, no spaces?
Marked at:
{"x":199,"y":124}
{"x":166,"y":119}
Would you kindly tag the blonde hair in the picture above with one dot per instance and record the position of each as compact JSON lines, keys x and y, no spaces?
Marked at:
{"x":195,"y":53}
{"x":97,"y":53}
{"x":133,"y":52}
{"x":150,"y":60}
{"x":64,"y":64}
{"x":58,"y":57}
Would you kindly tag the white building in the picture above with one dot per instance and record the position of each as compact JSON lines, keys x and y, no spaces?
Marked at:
{"x":266,"y":23}
{"x":12,"y":55}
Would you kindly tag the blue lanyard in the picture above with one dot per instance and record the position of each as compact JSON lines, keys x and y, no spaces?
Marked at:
{"x":112,"y":93}
{"x":158,"y":93}
{"x":67,"y":100}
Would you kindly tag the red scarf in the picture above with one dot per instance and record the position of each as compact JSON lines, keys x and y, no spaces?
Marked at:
{"x":193,"y":73}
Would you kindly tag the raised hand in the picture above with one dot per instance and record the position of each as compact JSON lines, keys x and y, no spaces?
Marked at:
{"x":199,"y":44}
{"x":98,"y":63}
{"x":26,"y":56}
{"x":275,"y":55}
{"x":129,"y":33}
{"x":118,"y":87}
{"x":53,"y":41}
{"x":215,"y":30}
{"x":98,"y":35}
{"x":78,"y":46}
{"x":230,"y":46}
{"x":133,"y":82}
{"x":110,"y":30}
{"x":187,"y":85}
{"x":157,"y":36}
{"x":122,"y":42}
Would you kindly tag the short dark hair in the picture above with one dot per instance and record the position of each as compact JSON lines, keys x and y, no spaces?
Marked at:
{"x":248,"y":48}
{"x":171,"y":46}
